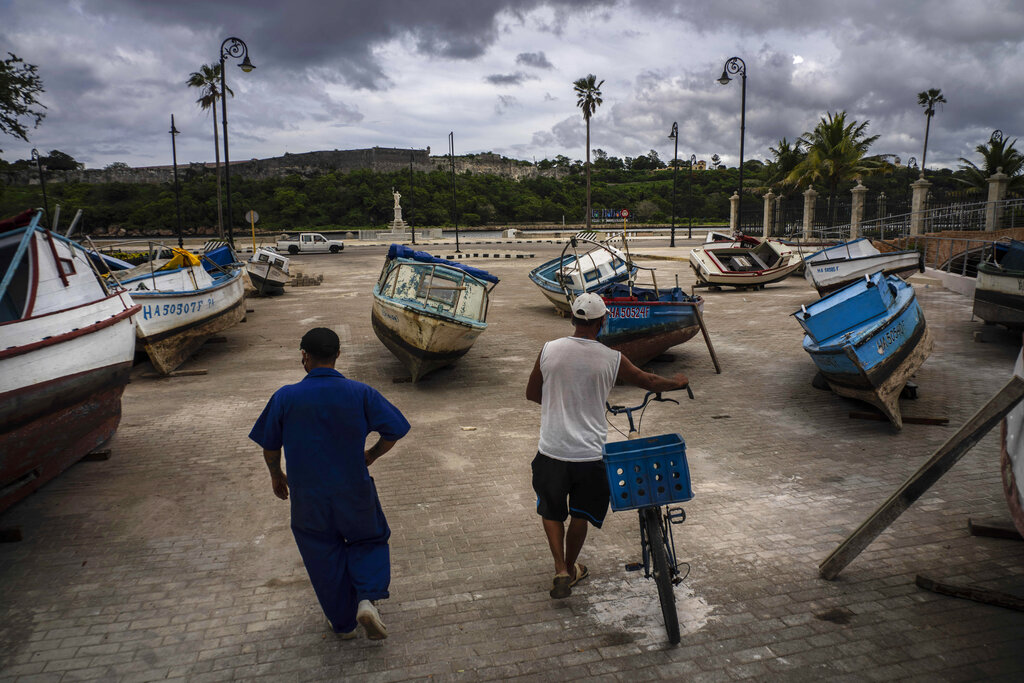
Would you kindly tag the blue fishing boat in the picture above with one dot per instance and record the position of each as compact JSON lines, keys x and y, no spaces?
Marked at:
{"x":645,"y":322}
{"x":867,"y":339}
{"x":586,"y":265}
{"x":999,"y":292}
{"x":428,"y":311}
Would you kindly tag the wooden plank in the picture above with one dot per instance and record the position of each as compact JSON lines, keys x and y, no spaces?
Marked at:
{"x":930,"y":472}
{"x":879,"y":417}
{"x":989,"y":597}
{"x":994,"y":529}
{"x":707,"y":339}
{"x":96,"y":456}
{"x":216,"y":340}
{"x":176,"y":373}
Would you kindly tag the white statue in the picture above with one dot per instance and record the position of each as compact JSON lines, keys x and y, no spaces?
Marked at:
{"x":397,"y":198}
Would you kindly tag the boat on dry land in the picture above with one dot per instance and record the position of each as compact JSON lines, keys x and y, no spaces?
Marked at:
{"x":867,"y":339}
{"x":734,"y":265}
{"x":183,"y":304}
{"x":835,"y":267}
{"x":67,"y":340}
{"x":586,"y":265}
{"x":738,"y":239}
{"x":645,"y":322}
{"x":268,"y":271}
{"x":999,"y":291}
{"x":428,"y":311}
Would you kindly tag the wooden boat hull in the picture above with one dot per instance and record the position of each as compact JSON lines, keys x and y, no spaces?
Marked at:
{"x":717,"y":265}
{"x":173,"y":325}
{"x":1011,"y":457}
{"x":871,"y":359}
{"x":643,"y":330}
{"x":422,"y":342}
{"x":999,"y":296}
{"x":831,"y":275}
{"x":61,"y":380}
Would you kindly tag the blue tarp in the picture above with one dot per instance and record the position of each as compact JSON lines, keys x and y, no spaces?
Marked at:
{"x":402,"y":251}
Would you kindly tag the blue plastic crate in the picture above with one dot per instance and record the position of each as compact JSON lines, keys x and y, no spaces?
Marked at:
{"x":647,"y":471}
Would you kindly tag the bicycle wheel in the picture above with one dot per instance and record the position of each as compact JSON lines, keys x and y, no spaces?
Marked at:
{"x":662,"y":572}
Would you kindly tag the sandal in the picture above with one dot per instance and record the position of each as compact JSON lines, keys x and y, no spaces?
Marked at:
{"x":560,"y":587}
{"x":581,"y":573}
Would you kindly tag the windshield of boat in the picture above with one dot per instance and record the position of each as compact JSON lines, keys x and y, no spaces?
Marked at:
{"x":446,"y":290}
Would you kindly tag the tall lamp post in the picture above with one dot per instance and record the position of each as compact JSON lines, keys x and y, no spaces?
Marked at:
{"x":689,"y":197}
{"x":177,"y":190}
{"x":42,"y":184}
{"x":674,"y":135}
{"x":233,"y":48}
{"x":455,"y":212}
{"x":409,"y":213}
{"x":734,"y":66}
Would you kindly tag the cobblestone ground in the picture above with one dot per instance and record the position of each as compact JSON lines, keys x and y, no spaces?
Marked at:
{"x":173,"y":560}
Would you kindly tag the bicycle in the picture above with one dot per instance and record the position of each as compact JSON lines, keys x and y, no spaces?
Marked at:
{"x":647,"y":474}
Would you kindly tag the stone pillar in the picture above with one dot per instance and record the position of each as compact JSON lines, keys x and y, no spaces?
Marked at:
{"x":997,"y":184}
{"x":917,"y":202}
{"x":857,"y":209}
{"x":809,"y":197}
{"x":769,"y":214}
{"x":734,"y":211}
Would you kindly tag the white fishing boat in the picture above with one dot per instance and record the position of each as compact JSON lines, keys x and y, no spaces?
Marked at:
{"x":67,"y":341}
{"x":735,"y":264}
{"x":428,"y":311}
{"x":182,"y":305}
{"x":586,"y":265}
{"x":836,"y":266}
{"x":268,"y":271}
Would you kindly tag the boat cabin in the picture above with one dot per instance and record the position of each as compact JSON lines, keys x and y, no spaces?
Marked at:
{"x":447,"y":290}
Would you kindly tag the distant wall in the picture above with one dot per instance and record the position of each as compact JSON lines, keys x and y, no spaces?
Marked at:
{"x":379,"y":159}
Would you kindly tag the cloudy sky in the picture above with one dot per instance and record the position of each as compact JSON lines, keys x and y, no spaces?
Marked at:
{"x":345,"y":74}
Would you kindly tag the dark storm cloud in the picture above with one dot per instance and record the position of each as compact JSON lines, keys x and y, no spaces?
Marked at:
{"x":536,"y":60}
{"x":508,"y":79}
{"x":341,"y":35}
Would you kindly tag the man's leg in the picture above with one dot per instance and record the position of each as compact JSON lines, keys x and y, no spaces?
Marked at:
{"x":574,"y":540}
{"x":323,"y":552}
{"x":555,"y":531}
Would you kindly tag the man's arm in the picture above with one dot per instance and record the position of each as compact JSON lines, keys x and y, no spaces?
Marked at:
{"x":278,"y":479}
{"x":631,"y":374}
{"x":378,"y":449}
{"x":535,"y":386}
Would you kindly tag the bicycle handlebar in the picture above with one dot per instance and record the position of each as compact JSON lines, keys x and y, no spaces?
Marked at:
{"x":618,"y":410}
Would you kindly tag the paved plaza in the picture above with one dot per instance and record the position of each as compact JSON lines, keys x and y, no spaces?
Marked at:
{"x":173,"y":560}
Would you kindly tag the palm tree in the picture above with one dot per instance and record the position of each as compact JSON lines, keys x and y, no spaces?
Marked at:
{"x":588,"y":98}
{"x":208,"y":80}
{"x":836,"y":153}
{"x":786,"y":157}
{"x":928,"y":99}
{"x":996,"y":154}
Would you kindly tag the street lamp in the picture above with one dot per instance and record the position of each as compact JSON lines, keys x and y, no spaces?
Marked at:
{"x":455,"y":211}
{"x":409,"y":213}
{"x":42,"y":184}
{"x":177,"y":191}
{"x":674,"y":135}
{"x":689,"y":197}
{"x":735,"y":65}
{"x":233,"y":48}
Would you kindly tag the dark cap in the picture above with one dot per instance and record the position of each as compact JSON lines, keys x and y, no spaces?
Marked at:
{"x":321,"y":343}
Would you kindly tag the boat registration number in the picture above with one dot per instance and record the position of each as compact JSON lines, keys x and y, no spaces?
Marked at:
{"x":890,"y":337}
{"x":629,"y":312}
{"x":181,"y":308}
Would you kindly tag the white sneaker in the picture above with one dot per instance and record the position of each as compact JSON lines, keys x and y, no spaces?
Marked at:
{"x":369,"y":617}
{"x":344,"y":635}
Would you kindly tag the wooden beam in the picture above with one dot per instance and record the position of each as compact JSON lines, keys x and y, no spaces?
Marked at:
{"x":994,"y":529}
{"x":879,"y":417}
{"x":989,"y":597}
{"x":914,"y":487}
{"x":707,"y":339}
{"x":176,"y":373}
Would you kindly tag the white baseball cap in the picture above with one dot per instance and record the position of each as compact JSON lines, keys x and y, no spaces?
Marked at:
{"x":589,"y":306}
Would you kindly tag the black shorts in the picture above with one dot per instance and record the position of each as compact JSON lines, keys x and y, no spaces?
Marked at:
{"x":584,"y":484}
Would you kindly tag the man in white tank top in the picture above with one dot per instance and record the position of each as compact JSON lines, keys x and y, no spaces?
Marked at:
{"x":571,"y":381}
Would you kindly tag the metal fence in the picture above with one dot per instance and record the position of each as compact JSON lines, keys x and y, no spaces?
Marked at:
{"x":957,"y":255}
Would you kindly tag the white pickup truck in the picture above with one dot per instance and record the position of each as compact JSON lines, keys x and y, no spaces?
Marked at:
{"x":309,"y":243}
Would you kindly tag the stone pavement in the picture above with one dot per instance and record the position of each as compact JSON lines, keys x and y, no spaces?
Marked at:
{"x":173,"y":560}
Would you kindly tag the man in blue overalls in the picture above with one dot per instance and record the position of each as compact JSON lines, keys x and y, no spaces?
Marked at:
{"x":322,"y":423}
